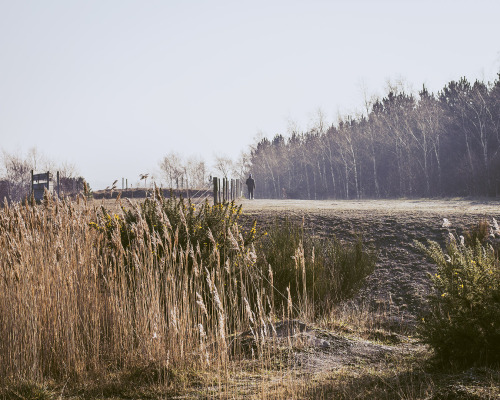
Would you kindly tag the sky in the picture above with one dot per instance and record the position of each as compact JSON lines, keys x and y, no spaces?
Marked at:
{"x":112,"y":86}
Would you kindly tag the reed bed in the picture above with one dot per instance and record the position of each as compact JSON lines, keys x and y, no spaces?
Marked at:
{"x":76,"y":303}
{"x":163,"y":296}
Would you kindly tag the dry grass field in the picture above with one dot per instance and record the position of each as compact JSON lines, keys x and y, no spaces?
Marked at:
{"x":116,"y":344}
{"x":391,"y":226}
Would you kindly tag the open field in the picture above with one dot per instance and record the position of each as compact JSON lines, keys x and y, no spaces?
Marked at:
{"x":365,"y":348}
{"x":391,"y":226}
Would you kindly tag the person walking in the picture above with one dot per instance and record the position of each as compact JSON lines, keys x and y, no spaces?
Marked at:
{"x":251,"y":186}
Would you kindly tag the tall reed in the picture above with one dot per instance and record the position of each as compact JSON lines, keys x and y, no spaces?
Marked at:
{"x":76,"y":302}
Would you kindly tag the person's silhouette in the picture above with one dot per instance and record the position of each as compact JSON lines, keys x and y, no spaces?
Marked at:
{"x":251,"y":186}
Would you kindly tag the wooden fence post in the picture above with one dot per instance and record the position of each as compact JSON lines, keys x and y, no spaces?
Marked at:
{"x":216,"y":190}
{"x":219,"y":189}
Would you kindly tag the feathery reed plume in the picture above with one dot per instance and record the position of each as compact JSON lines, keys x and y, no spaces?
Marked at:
{"x":200,"y":302}
{"x":203,"y":347}
{"x":248,"y":310}
{"x":220,"y":315}
{"x":232,"y":240}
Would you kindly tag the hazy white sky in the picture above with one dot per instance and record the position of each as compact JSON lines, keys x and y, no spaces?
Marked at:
{"x":114,"y":85}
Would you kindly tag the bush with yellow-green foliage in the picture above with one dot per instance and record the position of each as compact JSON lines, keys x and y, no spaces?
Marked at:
{"x":202,"y":226}
{"x":462,"y":323}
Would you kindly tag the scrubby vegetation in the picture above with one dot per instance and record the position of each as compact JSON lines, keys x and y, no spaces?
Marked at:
{"x":463,"y":321}
{"x":167,"y":297}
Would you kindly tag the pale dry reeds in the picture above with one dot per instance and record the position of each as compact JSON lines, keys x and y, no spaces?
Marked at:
{"x":75,"y":303}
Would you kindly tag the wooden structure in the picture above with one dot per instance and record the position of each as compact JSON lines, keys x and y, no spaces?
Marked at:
{"x":226,"y":189}
{"x":40,"y":182}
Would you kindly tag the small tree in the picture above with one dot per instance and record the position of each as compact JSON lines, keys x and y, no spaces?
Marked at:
{"x":17,"y":174}
{"x":171,"y":167}
{"x":196,"y":171}
{"x":224,"y":165}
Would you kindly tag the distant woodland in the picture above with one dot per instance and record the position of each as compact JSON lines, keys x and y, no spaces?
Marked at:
{"x":402,"y":145}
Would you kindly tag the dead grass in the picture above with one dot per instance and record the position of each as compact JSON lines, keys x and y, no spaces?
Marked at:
{"x":74,"y":305}
{"x":73,"y":327}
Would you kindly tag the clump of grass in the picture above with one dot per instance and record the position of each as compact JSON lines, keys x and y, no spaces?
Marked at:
{"x":479,"y":232}
{"x":318,"y":272}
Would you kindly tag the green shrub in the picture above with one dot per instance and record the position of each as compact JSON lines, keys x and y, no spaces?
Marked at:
{"x":179,"y":220}
{"x":320,"y":271}
{"x":463,"y":320}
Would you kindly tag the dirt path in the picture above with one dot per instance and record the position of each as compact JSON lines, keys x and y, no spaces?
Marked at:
{"x":400,"y":281}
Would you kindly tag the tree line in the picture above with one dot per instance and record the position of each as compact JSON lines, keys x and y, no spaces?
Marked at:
{"x":403,"y":145}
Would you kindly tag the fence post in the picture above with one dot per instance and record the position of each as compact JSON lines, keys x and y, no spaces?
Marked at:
{"x":216,"y":190}
{"x":219,"y":189}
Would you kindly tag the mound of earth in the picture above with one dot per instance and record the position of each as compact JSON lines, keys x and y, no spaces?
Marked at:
{"x":316,"y":349}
